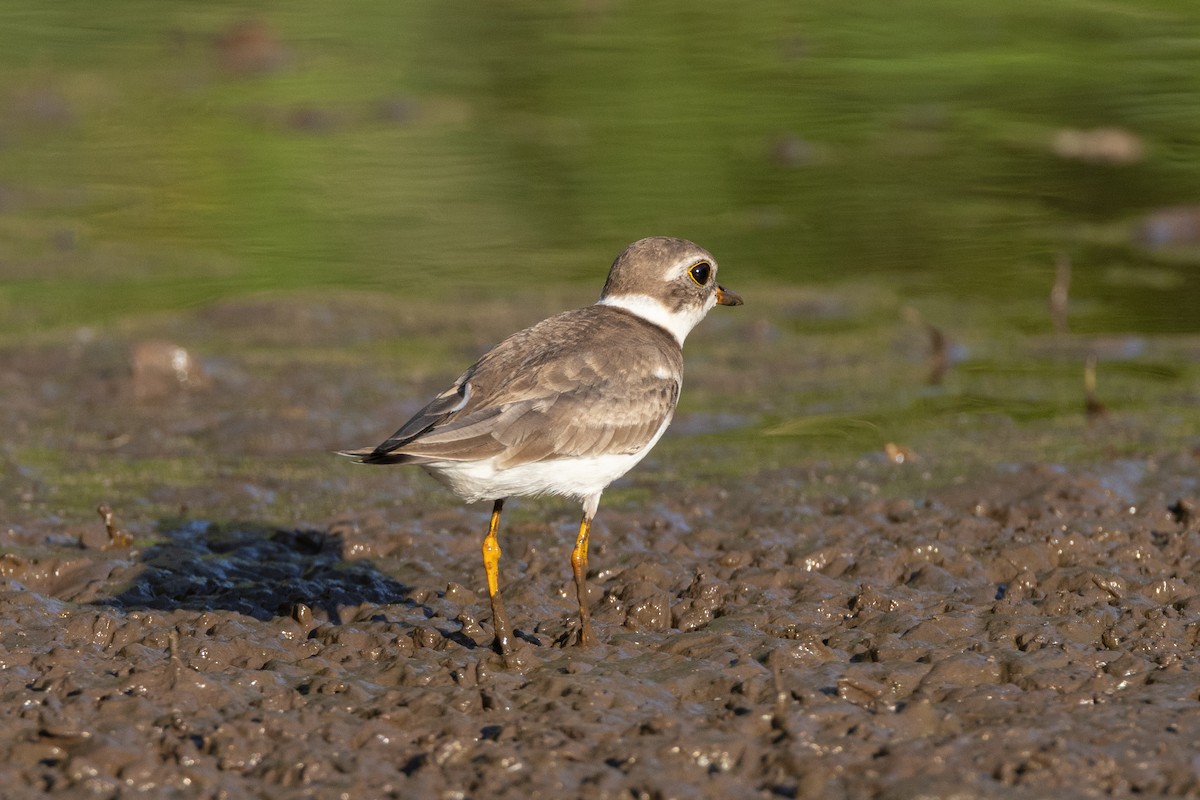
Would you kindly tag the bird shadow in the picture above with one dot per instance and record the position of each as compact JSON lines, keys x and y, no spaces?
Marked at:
{"x":256,"y":570}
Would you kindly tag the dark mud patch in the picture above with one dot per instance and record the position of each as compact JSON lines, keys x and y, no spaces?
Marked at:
{"x":1030,"y":634}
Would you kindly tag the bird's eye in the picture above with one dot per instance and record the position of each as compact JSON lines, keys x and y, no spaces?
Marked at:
{"x":701,"y":273}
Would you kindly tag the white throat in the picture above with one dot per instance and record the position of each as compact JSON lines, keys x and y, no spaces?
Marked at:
{"x":678,"y":323}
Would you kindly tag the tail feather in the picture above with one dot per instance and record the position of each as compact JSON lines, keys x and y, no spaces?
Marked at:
{"x":372,"y":455}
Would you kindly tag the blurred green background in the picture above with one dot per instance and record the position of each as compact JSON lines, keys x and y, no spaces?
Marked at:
{"x":161,"y":154}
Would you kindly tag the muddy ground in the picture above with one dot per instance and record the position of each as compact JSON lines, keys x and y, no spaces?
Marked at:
{"x":263,"y":620}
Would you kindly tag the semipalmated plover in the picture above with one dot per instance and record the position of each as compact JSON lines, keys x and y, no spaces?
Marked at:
{"x":569,"y":405}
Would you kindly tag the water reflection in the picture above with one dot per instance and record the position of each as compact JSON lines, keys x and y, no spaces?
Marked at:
{"x":171,"y":154}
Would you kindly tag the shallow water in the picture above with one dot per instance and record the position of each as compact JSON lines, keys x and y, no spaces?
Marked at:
{"x":167,"y":155}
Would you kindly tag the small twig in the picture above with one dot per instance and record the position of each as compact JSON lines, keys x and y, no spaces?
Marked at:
{"x":939,"y":355}
{"x":116,"y":536}
{"x":939,"y":347}
{"x":1091,"y":402}
{"x":1060,"y":293}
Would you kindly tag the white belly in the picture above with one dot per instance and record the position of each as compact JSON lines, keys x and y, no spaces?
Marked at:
{"x":578,"y":476}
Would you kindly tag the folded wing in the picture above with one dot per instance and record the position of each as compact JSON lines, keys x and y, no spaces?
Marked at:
{"x":520,"y":404}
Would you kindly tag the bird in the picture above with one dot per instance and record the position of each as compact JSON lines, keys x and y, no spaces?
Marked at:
{"x":567,"y":406}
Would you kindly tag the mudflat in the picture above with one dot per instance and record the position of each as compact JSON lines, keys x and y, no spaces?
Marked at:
{"x":256,"y":618}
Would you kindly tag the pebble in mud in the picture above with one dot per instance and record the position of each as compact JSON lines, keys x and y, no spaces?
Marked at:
{"x":163,"y":369}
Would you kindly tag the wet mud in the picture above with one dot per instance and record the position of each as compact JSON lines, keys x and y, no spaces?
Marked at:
{"x":322,"y":630}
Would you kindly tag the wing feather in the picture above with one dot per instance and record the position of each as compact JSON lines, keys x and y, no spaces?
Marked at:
{"x":549,"y":392}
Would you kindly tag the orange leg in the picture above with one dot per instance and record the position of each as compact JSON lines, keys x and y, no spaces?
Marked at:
{"x":491,"y":564}
{"x":579,"y":568}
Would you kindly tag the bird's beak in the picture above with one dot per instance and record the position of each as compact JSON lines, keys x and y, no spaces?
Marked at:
{"x":727,"y":297}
